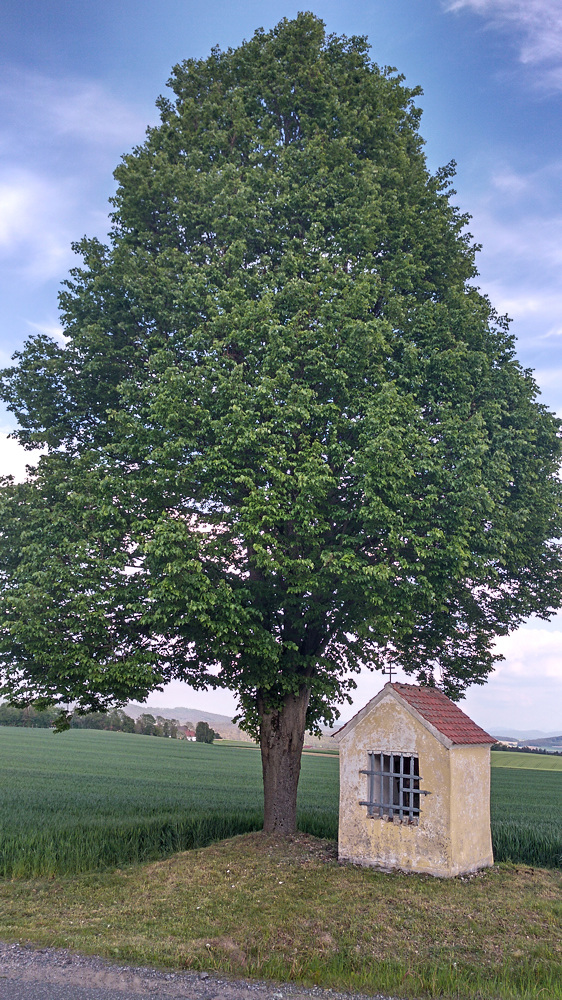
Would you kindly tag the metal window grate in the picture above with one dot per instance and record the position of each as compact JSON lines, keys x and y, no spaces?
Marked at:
{"x":393,"y":787}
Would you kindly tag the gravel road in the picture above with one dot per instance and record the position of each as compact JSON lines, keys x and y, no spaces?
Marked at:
{"x":28,"y":973}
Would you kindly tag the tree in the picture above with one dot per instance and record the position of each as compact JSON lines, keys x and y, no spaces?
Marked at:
{"x":126,"y":723}
{"x":146,"y":725}
{"x":204,"y":733}
{"x":28,"y":717}
{"x":287,"y":438}
{"x":167,"y":727}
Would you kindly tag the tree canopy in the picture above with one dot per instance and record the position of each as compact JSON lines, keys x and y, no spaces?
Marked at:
{"x":287,"y":437}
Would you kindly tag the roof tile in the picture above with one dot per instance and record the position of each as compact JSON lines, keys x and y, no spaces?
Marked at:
{"x":442,"y":713}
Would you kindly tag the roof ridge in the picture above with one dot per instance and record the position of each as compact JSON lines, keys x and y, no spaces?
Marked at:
{"x":442,"y":713}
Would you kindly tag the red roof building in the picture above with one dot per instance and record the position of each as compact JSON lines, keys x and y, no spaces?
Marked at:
{"x":435,"y":709}
{"x":442,"y":713}
{"x":415,"y":784}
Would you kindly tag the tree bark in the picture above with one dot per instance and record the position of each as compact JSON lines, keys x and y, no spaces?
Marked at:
{"x":281,"y":740}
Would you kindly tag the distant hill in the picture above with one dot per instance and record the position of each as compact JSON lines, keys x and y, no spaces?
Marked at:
{"x":523,"y":735}
{"x":549,"y":742}
{"x":221,"y":723}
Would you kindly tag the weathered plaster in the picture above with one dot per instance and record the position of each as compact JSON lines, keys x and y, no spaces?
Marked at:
{"x":470,"y":808}
{"x":453,"y":833}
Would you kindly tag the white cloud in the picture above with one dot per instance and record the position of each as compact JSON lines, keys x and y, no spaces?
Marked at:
{"x":34,"y":234}
{"x":549,"y":381}
{"x":15,"y":200}
{"x":14,"y":458}
{"x":71,"y":107}
{"x":91,"y":114}
{"x":525,"y":690}
{"x":514,"y":211}
{"x":520,"y":272}
{"x":536,"y":313}
{"x":52,"y":329}
{"x":508,"y":182}
{"x":530,"y":237}
{"x":537,"y":22}
{"x":531,"y":304}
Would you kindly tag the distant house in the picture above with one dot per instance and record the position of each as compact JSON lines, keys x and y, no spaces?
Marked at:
{"x":415,"y":784}
{"x":186,"y":734}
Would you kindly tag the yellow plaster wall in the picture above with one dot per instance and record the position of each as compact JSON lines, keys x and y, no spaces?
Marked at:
{"x":471,"y":837}
{"x":444,"y":842}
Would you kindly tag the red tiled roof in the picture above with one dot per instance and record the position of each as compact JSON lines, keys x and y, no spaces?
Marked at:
{"x":442,"y":713}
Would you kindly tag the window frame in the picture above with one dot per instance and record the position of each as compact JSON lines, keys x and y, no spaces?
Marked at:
{"x":396,"y":796}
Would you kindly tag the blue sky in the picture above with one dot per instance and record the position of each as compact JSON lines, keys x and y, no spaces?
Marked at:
{"x":78,"y":82}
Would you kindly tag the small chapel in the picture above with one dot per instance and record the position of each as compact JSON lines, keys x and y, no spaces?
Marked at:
{"x":415,"y":784}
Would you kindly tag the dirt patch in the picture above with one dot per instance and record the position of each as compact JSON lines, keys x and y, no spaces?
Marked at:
{"x":62,"y":967}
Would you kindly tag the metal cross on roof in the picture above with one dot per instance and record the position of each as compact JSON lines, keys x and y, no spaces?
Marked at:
{"x":389,"y":669}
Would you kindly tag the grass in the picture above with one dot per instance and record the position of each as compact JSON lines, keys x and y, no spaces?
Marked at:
{"x":526,"y":761}
{"x":87,"y":800}
{"x":526,"y":812}
{"x":257,"y":907}
{"x":84,"y":815}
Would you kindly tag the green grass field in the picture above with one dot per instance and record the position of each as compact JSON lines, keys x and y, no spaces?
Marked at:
{"x":87,"y":800}
{"x":527,"y":808}
{"x":526,"y":761}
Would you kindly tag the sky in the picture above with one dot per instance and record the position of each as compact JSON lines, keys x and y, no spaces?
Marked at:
{"x":78,"y":85}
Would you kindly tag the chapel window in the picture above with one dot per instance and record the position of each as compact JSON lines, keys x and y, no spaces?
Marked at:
{"x":393,"y":787}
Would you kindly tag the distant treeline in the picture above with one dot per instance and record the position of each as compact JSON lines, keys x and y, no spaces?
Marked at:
{"x":551,"y":753}
{"x":116,"y":721}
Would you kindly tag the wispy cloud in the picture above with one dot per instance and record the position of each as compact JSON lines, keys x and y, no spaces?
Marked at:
{"x":538,"y":23}
{"x":542,"y":308}
{"x":531,"y":238}
{"x":34,"y":236}
{"x":520,"y":271}
{"x":71,"y":107}
{"x":526,"y":685}
{"x":52,"y":329}
{"x":516,"y":219}
{"x":60,"y":139}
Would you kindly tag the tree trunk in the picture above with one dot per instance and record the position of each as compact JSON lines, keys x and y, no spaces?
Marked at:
{"x":281,"y":739}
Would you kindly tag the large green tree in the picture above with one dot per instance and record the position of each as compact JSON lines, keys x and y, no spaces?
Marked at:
{"x":286,"y":436}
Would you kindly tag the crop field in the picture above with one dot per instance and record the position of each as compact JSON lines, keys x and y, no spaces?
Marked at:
{"x":526,"y":761}
{"x":527,"y":813}
{"x":87,"y":800}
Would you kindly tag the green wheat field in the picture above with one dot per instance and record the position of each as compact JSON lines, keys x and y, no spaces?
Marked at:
{"x":89,"y":800}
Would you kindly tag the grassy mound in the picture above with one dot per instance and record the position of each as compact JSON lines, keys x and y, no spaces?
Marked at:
{"x":286,"y":910}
